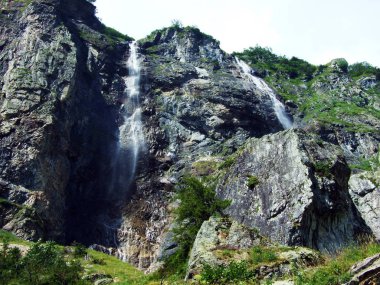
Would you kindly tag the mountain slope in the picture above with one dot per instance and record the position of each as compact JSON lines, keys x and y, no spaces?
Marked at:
{"x":64,"y":90}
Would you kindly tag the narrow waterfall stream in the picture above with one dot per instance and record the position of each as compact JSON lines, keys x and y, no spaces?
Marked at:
{"x":278,"y":107}
{"x":131,"y":138}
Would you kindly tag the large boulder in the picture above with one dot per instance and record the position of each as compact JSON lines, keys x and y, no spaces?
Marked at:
{"x":293,"y":188}
{"x":365,"y":193}
{"x":366,"y":272}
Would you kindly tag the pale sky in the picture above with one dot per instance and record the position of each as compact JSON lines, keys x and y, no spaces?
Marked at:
{"x":314,"y":30}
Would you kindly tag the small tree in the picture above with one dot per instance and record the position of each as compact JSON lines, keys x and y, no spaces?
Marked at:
{"x":45,"y":264}
{"x":177,"y":24}
{"x":198,"y":204}
{"x":9,"y":263}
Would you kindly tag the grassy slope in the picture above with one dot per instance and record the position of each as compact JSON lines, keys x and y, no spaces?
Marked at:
{"x":296,"y":80}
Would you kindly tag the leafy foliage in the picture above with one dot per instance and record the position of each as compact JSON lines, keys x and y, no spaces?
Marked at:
{"x":265,"y":62}
{"x":260,"y":254}
{"x":79,"y":250}
{"x":43,"y":264}
{"x":322,"y":168}
{"x":227,"y":274}
{"x":198,"y":203}
{"x":319,"y":97}
{"x":363,"y":69}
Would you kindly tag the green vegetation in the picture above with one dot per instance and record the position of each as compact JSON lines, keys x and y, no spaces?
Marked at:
{"x":180,"y":30}
{"x":369,"y":164}
{"x":361,"y":69}
{"x":331,"y":270}
{"x":114,"y":35}
{"x":94,"y":263}
{"x":342,"y":64}
{"x":204,"y":167}
{"x":227,"y":274}
{"x":266,"y":63}
{"x":322,"y":168}
{"x":314,"y":89}
{"x":237,"y":272}
{"x":335,"y":269}
{"x":44,"y":263}
{"x":252,"y":181}
{"x":105,"y":38}
{"x":198,"y":203}
{"x":260,"y":254}
{"x":228,"y":162}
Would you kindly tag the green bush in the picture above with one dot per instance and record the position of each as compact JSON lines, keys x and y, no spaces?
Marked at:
{"x":79,"y":250}
{"x":362,"y":69}
{"x":226,"y":274}
{"x":43,"y":264}
{"x":262,"y":58}
{"x":198,"y":203}
{"x":260,"y":254}
{"x":9,"y":258}
{"x":342,"y":64}
{"x":253,"y":181}
{"x":323,"y":168}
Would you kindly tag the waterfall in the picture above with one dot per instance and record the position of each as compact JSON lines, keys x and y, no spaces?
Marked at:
{"x":131,"y":138}
{"x":278,"y":107}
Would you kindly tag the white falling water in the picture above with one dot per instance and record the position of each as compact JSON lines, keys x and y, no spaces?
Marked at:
{"x":131,"y":138}
{"x":278,"y":107}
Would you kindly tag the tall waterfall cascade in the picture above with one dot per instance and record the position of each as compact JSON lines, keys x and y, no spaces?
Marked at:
{"x":131,"y":138}
{"x":278,"y":106}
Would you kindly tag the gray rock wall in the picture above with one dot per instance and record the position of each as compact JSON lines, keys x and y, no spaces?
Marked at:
{"x":302,"y":195}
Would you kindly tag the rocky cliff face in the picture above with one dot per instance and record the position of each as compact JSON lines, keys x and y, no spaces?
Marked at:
{"x":301,"y":195}
{"x":58,"y":117}
{"x":62,"y":81}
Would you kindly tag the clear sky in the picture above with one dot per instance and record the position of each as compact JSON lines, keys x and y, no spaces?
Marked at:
{"x":314,"y":30}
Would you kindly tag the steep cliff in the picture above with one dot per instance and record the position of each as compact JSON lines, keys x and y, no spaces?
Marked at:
{"x":65,"y":100}
{"x":58,"y":117}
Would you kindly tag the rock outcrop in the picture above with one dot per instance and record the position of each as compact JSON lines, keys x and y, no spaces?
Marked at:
{"x":62,"y":90}
{"x":366,"y":196}
{"x":59,"y":89}
{"x":195,"y":103}
{"x":221,"y":241}
{"x":301,"y":192}
{"x":366,"y":272}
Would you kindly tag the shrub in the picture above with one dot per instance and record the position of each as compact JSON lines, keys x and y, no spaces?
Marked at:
{"x":99,"y":261}
{"x":226,"y":274}
{"x":45,"y":264}
{"x":253,"y":181}
{"x":79,"y":250}
{"x":362,"y":69}
{"x":9,"y":258}
{"x":261,"y":254}
{"x":342,"y":64}
{"x":323,"y":169}
{"x":262,"y":58}
{"x":198,"y":203}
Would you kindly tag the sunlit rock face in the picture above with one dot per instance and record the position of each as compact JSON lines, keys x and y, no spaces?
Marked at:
{"x":96,"y":130}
